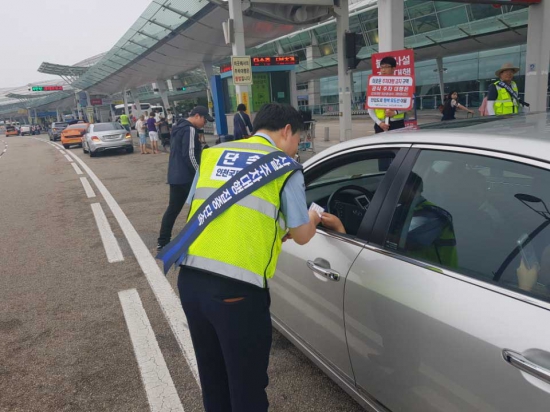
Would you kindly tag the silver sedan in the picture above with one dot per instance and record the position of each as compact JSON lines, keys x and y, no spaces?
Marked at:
{"x":101,"y":137}
{"x":434,"y":293}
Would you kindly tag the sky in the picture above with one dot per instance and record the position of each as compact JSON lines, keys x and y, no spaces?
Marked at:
{"x":59,"y":31}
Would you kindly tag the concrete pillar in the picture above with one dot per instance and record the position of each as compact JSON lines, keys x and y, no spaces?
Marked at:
{"x":293,"y":89}
{"x":135,"y":98}
{"x":35,"y":117}
{"x":439,"y":61}
{"x":163,"y":91}
{"x":313,"y":86}
{"x":209,"y":71}
{"x":238,"y":47}
{"x":344,"y":76}
{"x":391,"y":30}
{"x":125,"y":98}
{"x":58,"y":115}
{"x":538,"y":56}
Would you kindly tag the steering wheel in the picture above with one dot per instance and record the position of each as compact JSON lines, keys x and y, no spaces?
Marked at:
{"x":338,"y":192}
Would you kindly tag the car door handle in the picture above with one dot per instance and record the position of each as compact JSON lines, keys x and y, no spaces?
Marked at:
{"x":326,"y":272}
{"x":522,"y":363}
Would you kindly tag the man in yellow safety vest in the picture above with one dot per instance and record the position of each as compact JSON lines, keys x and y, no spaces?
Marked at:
{"x":503,"y":95}
{"x":378,"y":116}
{"x":224,"y":274}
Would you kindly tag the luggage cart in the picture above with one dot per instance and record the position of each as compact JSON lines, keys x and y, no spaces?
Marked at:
{"x":307,"y":138}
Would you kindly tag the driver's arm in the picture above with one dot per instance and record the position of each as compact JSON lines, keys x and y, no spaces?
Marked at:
{"x":332,"y":222}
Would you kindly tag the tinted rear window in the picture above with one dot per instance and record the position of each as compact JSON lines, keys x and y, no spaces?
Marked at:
{"x":105,"y":127}
{"x":60,"y":125}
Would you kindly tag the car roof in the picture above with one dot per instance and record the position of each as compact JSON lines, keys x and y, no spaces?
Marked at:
{"x":524,"y":135}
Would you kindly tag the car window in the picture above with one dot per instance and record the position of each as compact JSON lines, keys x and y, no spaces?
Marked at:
{"x":484,"y":217}
{"x":105,"y":127}
{"x":77,"y":126}
{"x":345,"y":185}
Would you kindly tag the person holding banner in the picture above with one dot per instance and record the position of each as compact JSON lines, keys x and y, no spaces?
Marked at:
{"x":380,"y":117}
{"x":244,"y":197}
{"x":503,"y":95}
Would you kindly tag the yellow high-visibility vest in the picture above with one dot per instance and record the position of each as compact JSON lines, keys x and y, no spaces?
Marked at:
{"x":381,"y":114}
{"x":504,"y":104}
{"x":244,"y":242}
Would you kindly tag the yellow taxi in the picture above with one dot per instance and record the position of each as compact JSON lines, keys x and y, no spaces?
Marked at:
{"x":73,"y":134}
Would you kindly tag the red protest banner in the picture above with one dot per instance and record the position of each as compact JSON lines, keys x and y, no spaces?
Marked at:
{"x":395,"y":91}
{"x":404,"y":59}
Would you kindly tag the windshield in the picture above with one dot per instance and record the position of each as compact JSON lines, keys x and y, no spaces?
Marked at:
{"x":60,"y":125}
{"x":104,"y":127}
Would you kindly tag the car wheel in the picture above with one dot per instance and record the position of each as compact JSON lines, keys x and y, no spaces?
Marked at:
{"x":93,"y":154}
{"x":66,"y":146}
{"x":84,"y":149}
{"x":130,"y":149}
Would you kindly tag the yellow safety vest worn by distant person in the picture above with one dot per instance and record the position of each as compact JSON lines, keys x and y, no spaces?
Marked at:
{"x":504,"y":104}
{"x":243,"y":242}
{"x":124,"y":119}
{"x":381,"y":114}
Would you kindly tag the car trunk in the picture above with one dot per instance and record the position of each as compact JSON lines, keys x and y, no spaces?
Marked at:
{"x":111,"y":135}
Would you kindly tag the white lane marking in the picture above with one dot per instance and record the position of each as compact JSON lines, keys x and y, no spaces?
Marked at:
{"x":112,"y":250}
{"x":68,"y":158}
{"x":5,"y":148}
{"x":166,"y":297}
{"x":159,"y":386}
{"x":87,"y":187}
{"x":76,"y":168}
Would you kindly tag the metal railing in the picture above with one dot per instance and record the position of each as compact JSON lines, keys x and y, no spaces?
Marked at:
{"x":424,"y":102}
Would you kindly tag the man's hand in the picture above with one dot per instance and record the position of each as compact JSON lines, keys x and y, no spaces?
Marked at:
{"x":332,"y":222}
{"x":390,"y":113}
{"x":303,"y":234}
{"x":385,"y":127}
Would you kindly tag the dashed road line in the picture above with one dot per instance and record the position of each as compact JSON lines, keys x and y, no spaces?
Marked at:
{"x":159,"y":386}
{"x":76,"y":168}
{"x":165,"y":295}
{"x":5,"y":148}
{"x":112,"y":249}
{"x":87,"y":187}
{"x":68,"y":158}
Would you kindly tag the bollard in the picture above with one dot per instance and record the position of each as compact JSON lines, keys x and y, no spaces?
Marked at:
{"x":326,"y":134}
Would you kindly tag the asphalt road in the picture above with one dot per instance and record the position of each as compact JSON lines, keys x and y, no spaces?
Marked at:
{"x":65,"y":326}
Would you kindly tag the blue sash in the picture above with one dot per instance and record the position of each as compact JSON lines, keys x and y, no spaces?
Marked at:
{"x":264,"y":170}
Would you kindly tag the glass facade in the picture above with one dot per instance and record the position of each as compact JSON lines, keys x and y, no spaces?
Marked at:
{"x":469,"y":74}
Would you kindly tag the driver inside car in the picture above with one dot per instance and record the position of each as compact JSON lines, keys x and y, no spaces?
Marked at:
{"x":428,"y":232}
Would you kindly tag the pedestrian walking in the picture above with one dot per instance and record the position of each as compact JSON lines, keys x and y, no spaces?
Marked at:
{"x":125,"y":121}
{"x":503,"y":95}
{"x":141,"y":128}
{"x":185,"y":155}
{"x":170,"y":119}
{"x":450,"y":106}
{"x":164,"y":131}
{"x":223,"y":279}
{"x":153,"y":134}
{"x":242,"y":127}
{"x":378,"y":116}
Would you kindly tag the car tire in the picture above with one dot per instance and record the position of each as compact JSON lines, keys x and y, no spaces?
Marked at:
{"x":84,"y":149}
{"x":93,"y":154}
{"x":130,"y":149}
{"x":66,"y":146}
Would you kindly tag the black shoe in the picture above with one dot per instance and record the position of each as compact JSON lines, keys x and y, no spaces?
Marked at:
{"x":159,"y":247}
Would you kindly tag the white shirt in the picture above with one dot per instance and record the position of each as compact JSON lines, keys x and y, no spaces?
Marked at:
{"x":140,"y":124}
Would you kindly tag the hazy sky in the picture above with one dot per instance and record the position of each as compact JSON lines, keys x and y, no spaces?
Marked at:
{"x":59,"y":31}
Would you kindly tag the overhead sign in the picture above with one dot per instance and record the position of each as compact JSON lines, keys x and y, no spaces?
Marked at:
{"x":392,"y":92}
{"x":242,"y":70}
{"x":96,"y":102}
{"x":275,"y":61}
{"x":46,"y":88}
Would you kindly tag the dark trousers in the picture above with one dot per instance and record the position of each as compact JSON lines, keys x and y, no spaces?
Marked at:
{"x":399,"y":124}
{"x":178,"y":196}
{"x":232,"y":340}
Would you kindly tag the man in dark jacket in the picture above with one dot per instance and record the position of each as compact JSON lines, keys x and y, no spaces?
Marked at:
{"x":185,"y":154}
